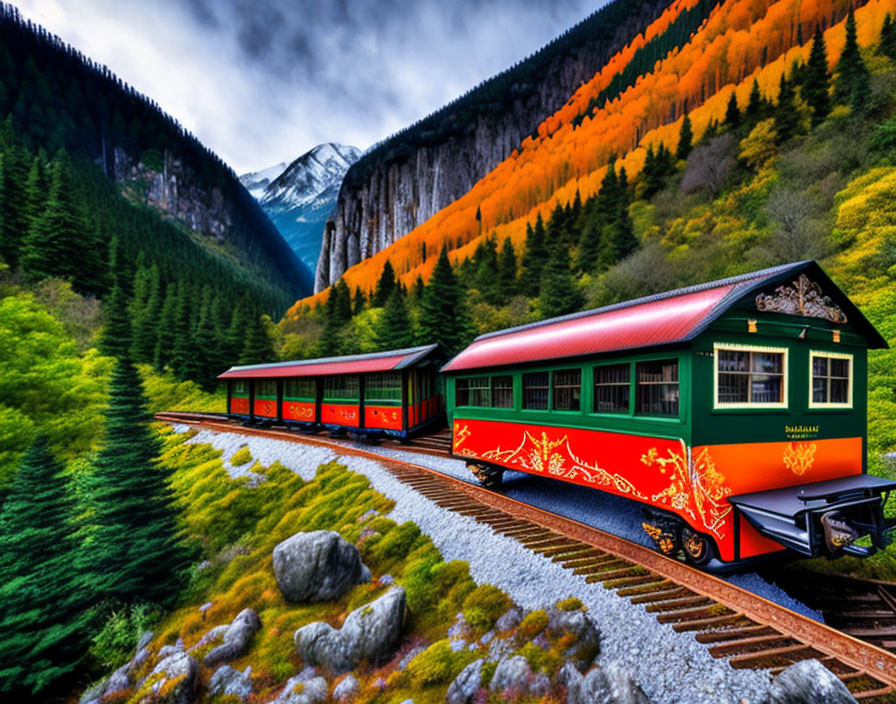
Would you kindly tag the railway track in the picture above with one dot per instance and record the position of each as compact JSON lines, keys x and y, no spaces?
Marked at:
{"x":735,"y":624}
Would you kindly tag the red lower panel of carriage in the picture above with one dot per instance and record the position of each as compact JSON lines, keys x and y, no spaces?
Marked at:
{"x":382,"y":417}
{"x":298,"y":410}
{"x":691,"y":482}
{"x":265,"y":407}
{"x":346,"y":415}
{"x":423,"y":411}
{"x":239,"y":405}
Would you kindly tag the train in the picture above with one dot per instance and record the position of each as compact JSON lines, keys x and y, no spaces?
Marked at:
{"x":734,"y":411}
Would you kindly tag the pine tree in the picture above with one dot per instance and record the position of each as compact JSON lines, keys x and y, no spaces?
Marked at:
{"x":131,"y":550}
{"x":166,"y":329}
{"x":384,"y":286}
{"x":732,"y":112}
{"x":13,"y":224}
{"x":559,"y":294}
{"x":115,"y":339}
{"x":486,"y":273}
{"x":147,"y":292}
{"x":853,"y":82}
{"x":786,"y":117}
{"x":206,"y":362}
{"x":236,"y":333}
{"x":507,"y":270}
{"x":817,"y":79}
{"x":42,"y":634}
{"x":394,"y":330}
{"x":182,"y":347}
{"x":443,"y":313}
{"x":756,"y":105}
{"x":685,"y":139}
{"x":257,"y":347}
{"x":887,"y":45}
{"x":359,"y":301}
{"x":535,"y":255}
{"x":337,"y":312}
{"x":36,"y":189}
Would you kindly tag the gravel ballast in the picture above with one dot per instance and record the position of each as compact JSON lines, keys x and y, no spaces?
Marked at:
{"x":671,"y":667}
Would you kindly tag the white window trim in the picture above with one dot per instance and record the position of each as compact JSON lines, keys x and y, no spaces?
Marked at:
{"x":748,"y":348}
{"x":830,"y":355}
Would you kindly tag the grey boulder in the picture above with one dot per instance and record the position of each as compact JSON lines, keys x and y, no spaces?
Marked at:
{"x":512,"y":676}
{"x":808,"y":682}
{"x":228,"y":682}
{"x":237,"y":637}
{"x":370,"y":634}
{"x":182,"y":672}
{"x":347,"y":689}
{"x":610,"y":684}
{"x":317,"y":566}
{"x":303,"y":690}
{"x":466,"y":684}
{"x":581,"y":626}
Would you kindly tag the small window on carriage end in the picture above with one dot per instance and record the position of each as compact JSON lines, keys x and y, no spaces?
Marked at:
{"x":657,"y":390}
{"x":241,"y":388}
{"x":750,"y":377}
{"x":568,"y":390}
{"x":536,"y":390}
{"x":830,"y":379}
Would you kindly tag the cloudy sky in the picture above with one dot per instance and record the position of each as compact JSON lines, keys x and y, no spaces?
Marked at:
{"x":263,"y":81}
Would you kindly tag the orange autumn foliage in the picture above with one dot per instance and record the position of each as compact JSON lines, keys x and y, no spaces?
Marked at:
{"x":741,"y":40}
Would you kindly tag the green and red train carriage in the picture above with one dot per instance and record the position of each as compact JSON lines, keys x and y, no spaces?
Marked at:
{"x":735,"y":412}
{"x":386,"y":393}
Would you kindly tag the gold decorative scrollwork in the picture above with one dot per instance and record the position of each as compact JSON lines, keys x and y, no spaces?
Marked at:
{"x":799,"y":457}
{"x":804,"y":298}
{"x":697,"y":488}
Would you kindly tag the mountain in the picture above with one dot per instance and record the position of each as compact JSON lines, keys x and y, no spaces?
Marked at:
{"x":256,"y":181}
{"x":299,"y":197}
{"x":56,"y":98}
{"x":689,"y":60}
{"x":406,"y":179}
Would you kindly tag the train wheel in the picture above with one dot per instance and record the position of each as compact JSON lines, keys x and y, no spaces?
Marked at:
{"x":698,"y":548}
{"x":487,"y":476}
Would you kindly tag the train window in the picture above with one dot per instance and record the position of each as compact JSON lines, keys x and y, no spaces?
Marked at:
{"x":612,"y":387}
{"x":567,"y":390}
{"x":382,"y":387}
{"x":473,"y":391}
{"x":300,"y":388}
{"x":240,"y":388}
{"x":831,"y":378}
{"x":536,"y":390}
{"x":341,"y":388}
{"x":266,"y":388}
{"x":502,"y":391}
{"x":750,"y":377}
{"x":657,"y":392}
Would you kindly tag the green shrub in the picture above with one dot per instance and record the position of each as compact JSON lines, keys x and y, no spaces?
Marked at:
{"x":533,"y":624}
{"x":571,"y":604}
{"x":438,"y":664}
{"x":122,"y":627}
{"x":484,"y":605}
{"x":547,"y":661}
{"x":241,"y":457}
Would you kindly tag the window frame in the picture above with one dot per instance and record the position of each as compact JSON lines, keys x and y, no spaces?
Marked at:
{"x":377,"y":392}
{"x":299,"y":380}
{"x":823,"y":406}
{"x":261,"y":383}
{"x":552,"y":385}
{"x":550,"y":394}
{"x":635,"y":413}
{"x":470,"y":389}
{"x":240,"y":393}
{"x":343,"y":400}
{"x":630,"y":411}
{"x":512,"y":389}
{"x":784,"y":404}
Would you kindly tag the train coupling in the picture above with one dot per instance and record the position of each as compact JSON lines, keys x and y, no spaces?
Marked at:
{"x":828,"y":518}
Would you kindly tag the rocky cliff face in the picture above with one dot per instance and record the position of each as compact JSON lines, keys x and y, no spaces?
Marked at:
{"x":391,"y":191}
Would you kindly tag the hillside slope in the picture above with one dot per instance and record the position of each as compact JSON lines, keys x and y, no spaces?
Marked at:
{"x":59,"y":98}
{"x":403,"y":181}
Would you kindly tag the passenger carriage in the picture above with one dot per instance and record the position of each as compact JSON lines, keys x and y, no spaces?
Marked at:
{"x":734,"y":411}
{"x":387,"y":393}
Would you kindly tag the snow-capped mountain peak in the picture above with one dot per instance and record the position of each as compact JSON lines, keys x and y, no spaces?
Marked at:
{"x":299,"y":196}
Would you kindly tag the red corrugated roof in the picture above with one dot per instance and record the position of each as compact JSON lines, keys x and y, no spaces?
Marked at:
{"x":355,"y":364}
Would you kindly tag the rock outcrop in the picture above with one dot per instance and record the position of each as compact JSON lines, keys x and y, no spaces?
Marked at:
{"x":303,"y":689}
{"x":236,"y":639}
{"x":228,"y":682}
{"x":464,"y":687}
{"x":174,"y":679}
{"x":317,"y":566}
{"x":404,"y":181}
{"x":370,"y":634}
